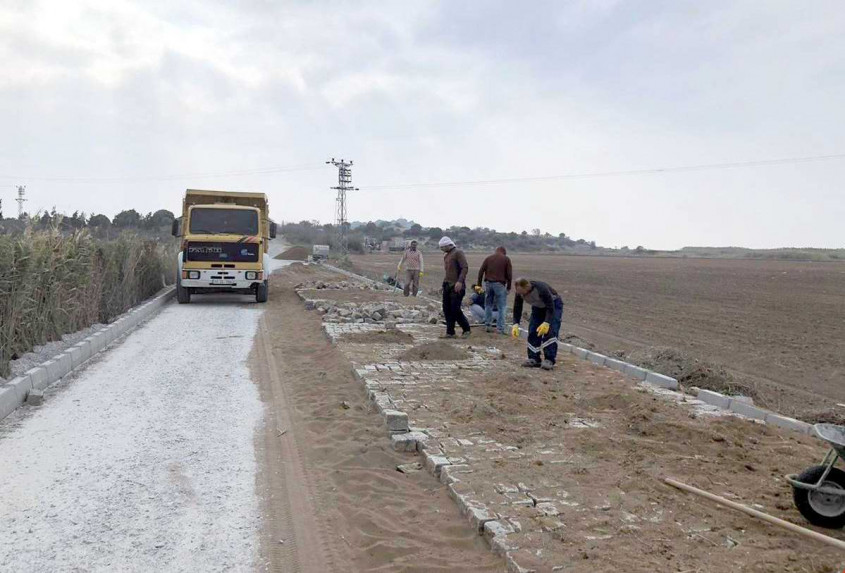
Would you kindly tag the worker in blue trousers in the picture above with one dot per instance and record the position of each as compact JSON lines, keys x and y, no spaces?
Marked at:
{"x":544,"y":326}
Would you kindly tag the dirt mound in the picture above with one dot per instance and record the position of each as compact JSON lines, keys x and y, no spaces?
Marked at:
{"x":434,"y":351}
{"x":294,"y":254}
{"x":690,"y":371}
{"x":380,"y":337}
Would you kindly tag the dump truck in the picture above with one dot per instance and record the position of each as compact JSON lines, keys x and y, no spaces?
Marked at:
{"x":320,"y":253}
{"x":225,"y":242}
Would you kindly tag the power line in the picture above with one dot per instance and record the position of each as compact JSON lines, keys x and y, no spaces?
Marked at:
{"x":653,"y":171}
{"x":262,"y":171}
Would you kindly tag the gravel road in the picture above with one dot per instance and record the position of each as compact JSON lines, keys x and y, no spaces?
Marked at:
{"x":144,"y":460}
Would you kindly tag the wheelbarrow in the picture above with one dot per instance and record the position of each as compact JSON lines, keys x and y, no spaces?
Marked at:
{"x":819,"y":491}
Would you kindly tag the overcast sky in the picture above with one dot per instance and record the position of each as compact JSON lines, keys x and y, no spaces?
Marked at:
{"x":131,"y":102}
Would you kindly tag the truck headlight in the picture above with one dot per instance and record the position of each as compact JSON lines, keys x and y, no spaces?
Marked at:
{"x":193,"y":275}
{"x":251,"y":275}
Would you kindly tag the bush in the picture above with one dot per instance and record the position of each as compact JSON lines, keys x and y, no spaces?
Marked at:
{"x":52,"y":284}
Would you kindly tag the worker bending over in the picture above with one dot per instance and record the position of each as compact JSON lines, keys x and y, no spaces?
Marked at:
{"x":544,"y":326}
{"x":414,"y":268}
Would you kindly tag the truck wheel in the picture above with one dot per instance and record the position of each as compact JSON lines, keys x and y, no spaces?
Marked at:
{"x":262,"y":290}
{"x":822,"y":509}
{"x":183,"y":295}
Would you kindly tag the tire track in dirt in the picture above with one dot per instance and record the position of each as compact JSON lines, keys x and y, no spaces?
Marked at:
{"x":291,"y":540}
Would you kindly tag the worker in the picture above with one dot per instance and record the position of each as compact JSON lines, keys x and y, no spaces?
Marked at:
{"x":414,"y":268}
{"x":544,"y":326}
{"x":478,"y":307}
{"x":494,"y":278}
{"x":454,"y":287}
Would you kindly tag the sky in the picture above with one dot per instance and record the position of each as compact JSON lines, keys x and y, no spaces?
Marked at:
{"x":113,"y":104}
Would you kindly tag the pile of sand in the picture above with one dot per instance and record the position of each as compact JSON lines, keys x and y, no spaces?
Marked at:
{"x":380,"y":337}
{"x":434,"y":351}
{"x":294,"y":254}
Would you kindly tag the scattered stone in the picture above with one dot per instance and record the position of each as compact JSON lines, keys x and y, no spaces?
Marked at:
{"x":409,"y":468}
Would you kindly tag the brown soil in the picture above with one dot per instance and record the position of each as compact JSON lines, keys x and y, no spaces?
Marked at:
{"x":434,"y":351}
{"x":380,"y":337}
{"x":621,"y":516}
{"x":329,"y":481}
{"x":294,"y":254}
{"x":776,"y":326}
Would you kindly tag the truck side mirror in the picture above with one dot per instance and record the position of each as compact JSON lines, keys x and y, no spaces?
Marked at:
{"x":272,"y":230}
{"x":174,"y":228}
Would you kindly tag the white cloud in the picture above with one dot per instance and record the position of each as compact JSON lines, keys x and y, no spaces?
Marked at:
{"x":439,"y":91}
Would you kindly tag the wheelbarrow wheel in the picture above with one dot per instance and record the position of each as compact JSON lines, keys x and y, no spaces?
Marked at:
{"x":822,"y":509}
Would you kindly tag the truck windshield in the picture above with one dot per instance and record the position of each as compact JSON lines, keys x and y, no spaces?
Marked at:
{"x":224,"y":221}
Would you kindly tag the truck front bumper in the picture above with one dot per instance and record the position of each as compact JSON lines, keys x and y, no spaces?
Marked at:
{"x":220,"y":279}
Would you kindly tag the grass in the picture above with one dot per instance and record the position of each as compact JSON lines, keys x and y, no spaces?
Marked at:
{"x":53,"y":283}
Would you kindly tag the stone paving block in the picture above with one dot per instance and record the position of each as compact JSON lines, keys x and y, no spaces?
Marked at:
{"x":448,"y":474}
{"x":396,"y":421}
{"x":661,"y":380}
{"x":22,"y":386}
{"x":635,"y":372}
{"x":788,"y":423}
{"x":714,"y":399}
{"x":615,"y":364}
{"x":77,"y":356}
{"x":580,"y":352}
{"x":407,"y":442}
{"x":434,"y":464}
{"x":748,"y":410}
{"x":596,"y":358}
{"x":478,"y":516}
{"x":37,"y":376}
{"x":8,"y":401}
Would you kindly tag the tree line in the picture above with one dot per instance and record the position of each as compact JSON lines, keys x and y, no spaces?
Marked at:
{"x":366,"y":236}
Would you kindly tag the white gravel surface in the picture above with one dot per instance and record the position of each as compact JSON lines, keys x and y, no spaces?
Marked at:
{"x":144,"y":461}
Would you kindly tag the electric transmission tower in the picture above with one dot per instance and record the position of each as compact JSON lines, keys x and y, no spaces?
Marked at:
{"x":344,"y":184}
{"x":21,"y":199}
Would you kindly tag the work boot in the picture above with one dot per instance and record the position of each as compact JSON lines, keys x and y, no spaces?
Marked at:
{"x":489,"y":329}
{"x":531,"y":363}
{"x":447,"y":336}
{"x":547,"y":365}
{"x":466,"y":333}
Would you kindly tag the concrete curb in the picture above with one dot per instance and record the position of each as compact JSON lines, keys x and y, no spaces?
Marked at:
{"x":747,"y":410}
{"x":15,"y":392}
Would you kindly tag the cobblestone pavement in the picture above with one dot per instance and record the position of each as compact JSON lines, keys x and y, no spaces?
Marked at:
{"x":521,"y":472}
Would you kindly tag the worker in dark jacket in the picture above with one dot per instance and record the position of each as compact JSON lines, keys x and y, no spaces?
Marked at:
{"x":544,"y":326}
{"x":494,"y":278}
{"x":454,"y":287}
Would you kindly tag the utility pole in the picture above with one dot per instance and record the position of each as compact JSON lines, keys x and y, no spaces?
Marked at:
{"x":21,"y":199}
{"x":344,"y":184}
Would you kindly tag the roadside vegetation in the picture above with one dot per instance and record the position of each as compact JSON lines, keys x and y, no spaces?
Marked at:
{"x":57,"y":277}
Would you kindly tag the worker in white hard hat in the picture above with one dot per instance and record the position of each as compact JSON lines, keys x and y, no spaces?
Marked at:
{"x":454,"y":287}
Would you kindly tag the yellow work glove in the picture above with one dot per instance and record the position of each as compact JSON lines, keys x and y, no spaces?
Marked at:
{"x":515,"y":331}
{"x":543,"y":329}
{"x":398,"y":267}
{"x":478,"y":289}
{"x":422,"y":274}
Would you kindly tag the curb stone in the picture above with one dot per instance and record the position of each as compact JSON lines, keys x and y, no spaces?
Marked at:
{"x":15,"y":392}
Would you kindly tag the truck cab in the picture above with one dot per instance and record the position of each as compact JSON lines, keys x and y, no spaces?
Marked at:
{"x":225,"y":243}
